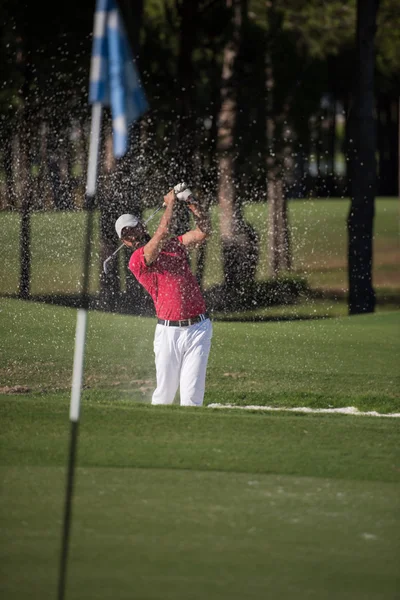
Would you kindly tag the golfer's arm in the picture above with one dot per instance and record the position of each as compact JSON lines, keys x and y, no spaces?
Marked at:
{"x":153,"y":248}
{"x":203,"y":227}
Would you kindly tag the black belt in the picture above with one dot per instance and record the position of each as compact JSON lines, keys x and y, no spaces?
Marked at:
{"x":185,"y":322}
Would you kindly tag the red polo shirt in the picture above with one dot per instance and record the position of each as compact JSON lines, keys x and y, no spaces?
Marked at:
{"x":169,"y":281}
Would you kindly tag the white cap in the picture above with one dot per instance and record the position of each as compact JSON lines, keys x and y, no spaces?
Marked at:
{"x":125,"y":221}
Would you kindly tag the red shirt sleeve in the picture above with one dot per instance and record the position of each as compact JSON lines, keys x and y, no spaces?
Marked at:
{"x":137,"y":263}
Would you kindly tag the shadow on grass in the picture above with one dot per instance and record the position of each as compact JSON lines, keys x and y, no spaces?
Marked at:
{"x":224,"y":303}
{"x":126,"y":307}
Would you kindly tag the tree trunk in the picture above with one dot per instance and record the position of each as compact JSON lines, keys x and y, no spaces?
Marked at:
{"x":25,"y":254}
{"x":186,"y":123}
{"x":278,"y":229}
{"x":25,"y":131}
{"x":363,"y":165}
{"x":278,"y":234}
{"x":8,"y":140}
{"x":239,"y":240}
{"x":227,"y":121}
{"x":387,"y":145}
{"x":208,"y":160}
{"x":331,"y":179}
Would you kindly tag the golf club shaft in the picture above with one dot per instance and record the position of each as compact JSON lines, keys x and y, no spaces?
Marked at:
{"x":117,"y":250}
{"x":154,"y":213}
{"x":110,"y":257}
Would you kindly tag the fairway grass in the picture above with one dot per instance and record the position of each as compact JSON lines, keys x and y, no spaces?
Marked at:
{"x":172,"y":535}
{"x":176,"y":503}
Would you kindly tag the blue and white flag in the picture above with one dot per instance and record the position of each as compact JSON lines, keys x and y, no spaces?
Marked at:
{"x":114,"y":80}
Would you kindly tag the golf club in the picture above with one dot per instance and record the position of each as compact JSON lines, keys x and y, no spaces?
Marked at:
{"x":105,"y":263}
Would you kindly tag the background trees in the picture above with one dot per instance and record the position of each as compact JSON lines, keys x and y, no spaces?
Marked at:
{"x":250,"y":100}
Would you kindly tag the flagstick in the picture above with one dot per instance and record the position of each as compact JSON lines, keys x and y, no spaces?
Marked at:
{"x":80,"y":337}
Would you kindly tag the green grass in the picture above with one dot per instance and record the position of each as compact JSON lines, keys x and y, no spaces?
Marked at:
{"x":176,"y":504}
{"x":57,"y":246}
{"x":35,"y":433}
{"x":318,"y":231}
{"x":174,"y":534}
{"x":173,"y":503}
{"x":333,"y":362}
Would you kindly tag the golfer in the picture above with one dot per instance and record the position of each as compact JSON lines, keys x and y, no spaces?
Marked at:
{"x":183,"y":333}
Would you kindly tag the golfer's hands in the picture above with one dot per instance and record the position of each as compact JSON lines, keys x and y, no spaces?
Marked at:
{"x":170,"y":198}
{"x":184,"y":194}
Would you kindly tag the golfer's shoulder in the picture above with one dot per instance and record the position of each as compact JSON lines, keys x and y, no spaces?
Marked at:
{"x":136,"y":261}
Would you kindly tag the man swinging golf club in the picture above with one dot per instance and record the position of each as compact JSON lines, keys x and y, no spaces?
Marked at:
{"x":183,"y":333}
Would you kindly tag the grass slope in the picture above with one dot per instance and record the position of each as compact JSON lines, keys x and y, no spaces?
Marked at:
{"x":180,"y":504}
{"x":351,"y":361}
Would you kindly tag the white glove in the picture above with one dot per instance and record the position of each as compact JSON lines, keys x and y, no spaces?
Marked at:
{"x":184,"y":193}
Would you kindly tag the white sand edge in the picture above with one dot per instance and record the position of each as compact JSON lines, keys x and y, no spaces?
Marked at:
{"x":346,"y":410}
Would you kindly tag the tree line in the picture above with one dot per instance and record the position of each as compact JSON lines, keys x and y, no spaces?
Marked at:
{"x":250,"y":100}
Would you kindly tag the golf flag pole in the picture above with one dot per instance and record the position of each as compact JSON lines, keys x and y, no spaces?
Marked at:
{"x":114,"y":82}
{"x":80,"y":338}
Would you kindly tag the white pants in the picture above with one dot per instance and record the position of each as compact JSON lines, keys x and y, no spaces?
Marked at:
{"x":181,"y":356}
